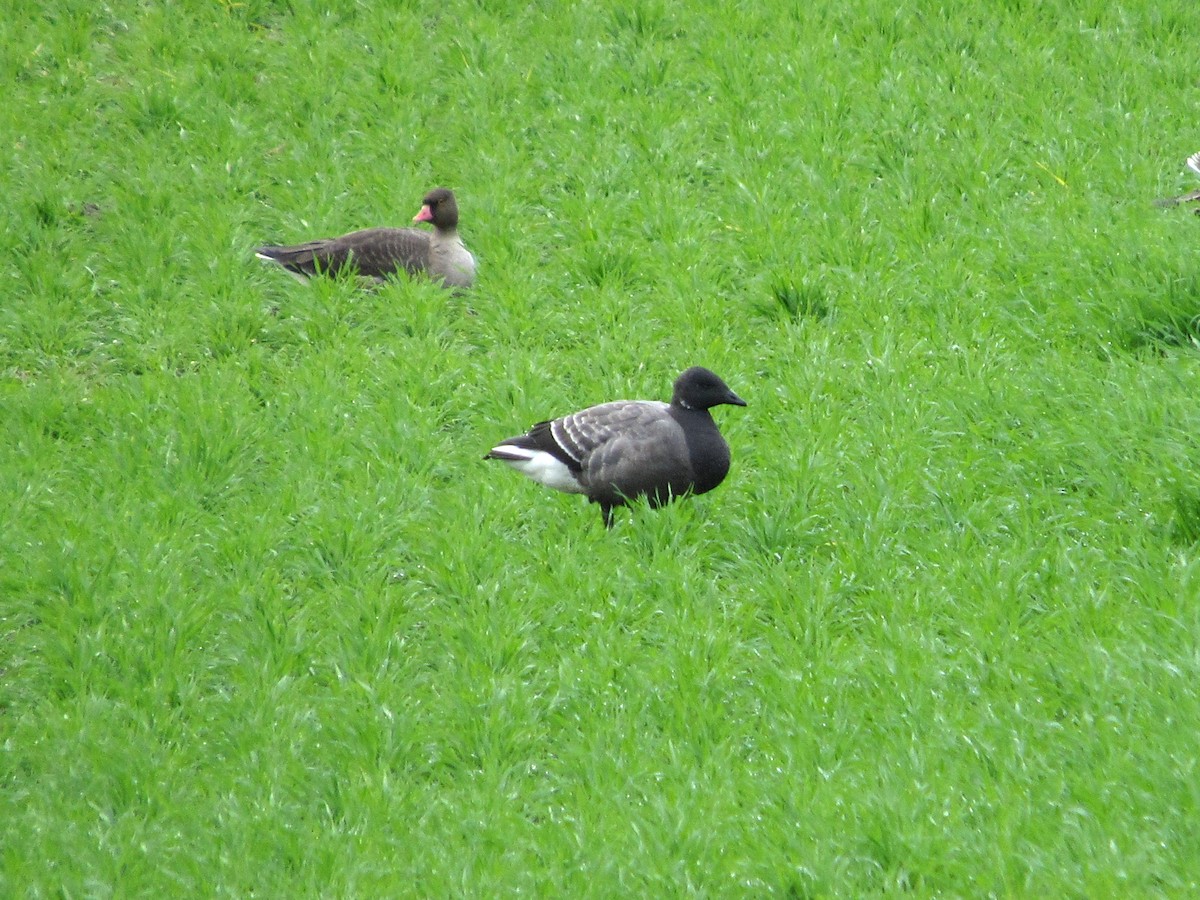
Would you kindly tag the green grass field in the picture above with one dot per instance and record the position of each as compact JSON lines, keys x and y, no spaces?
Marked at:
{"x":271,"y":627}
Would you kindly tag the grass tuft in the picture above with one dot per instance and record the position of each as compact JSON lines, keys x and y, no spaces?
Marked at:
{"x":1171,"y":320}
{"x":795,"y":300}
{"x":1186,"y":522}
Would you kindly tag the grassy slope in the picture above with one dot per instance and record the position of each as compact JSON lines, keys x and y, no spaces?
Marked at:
{"x":270,"y":626}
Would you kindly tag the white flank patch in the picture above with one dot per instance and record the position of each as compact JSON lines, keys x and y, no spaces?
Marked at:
{"x":541,"y":467}
{"x":1194,"y":163}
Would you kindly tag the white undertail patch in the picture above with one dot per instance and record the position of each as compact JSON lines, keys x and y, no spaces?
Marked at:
{"x":540,"y":466}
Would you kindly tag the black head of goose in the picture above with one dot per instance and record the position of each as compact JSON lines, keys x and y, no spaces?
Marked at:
{"x":1193,"y":163}
{"x":377,"y":253}
{"x":618,"y":451}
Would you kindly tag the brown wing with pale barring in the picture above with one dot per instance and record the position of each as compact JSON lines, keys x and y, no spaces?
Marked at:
{"x":372,"y":252}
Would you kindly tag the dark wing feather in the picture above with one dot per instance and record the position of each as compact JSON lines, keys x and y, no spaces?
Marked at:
{"x":373,"y":252}
{"x":574,"y":439}
{"x":379,"y":252}
{"x":298,"y":258}
{"x":539,"y":438}
{"x":582,"y":434}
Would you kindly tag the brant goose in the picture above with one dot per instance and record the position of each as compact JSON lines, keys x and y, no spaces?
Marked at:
{"x":378,"y":252}
{"x":617,"y":451}
{"x":1193,"y":163}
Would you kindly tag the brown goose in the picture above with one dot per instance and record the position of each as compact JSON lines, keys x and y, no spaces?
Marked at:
{"x":379,"y":252}
{"x":617,"y":451}
{"x":1193,"y":163}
